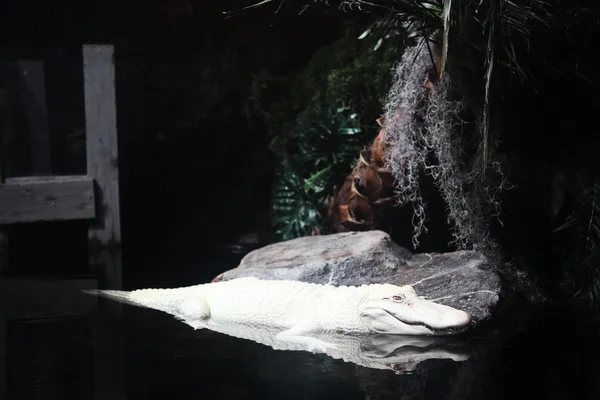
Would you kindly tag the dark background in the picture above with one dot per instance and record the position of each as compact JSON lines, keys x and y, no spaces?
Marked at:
{"x":194,"y":174}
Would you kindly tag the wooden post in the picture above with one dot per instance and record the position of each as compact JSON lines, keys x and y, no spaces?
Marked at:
{"x":105,"y":231}
{"x":102,"y":162}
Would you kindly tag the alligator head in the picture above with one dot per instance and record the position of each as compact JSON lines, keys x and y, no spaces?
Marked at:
{"x":397,"y":310}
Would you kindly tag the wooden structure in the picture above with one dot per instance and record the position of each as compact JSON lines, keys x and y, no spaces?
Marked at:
{"x":93,"y":197}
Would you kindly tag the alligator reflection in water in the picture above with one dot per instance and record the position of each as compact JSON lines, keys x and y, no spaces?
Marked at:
{"x":399,"y":353}
{"x":145,"y":355}
{"x":404,"y":354}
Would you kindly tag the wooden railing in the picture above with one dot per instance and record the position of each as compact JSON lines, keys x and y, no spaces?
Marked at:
{"x":93,"y":197}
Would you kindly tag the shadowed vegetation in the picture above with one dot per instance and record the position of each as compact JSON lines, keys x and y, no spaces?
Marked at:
{"x":499,"y":125}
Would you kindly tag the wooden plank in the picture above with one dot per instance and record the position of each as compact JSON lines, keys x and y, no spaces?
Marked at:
{"x":102,"y":160}
{"x":33,"y":299}
{"x":32,"y":91}
{"x":101,"y":139}
{"x":46,"y":199}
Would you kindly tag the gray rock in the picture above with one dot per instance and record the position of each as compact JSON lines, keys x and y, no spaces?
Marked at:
{"x":464,"y":279}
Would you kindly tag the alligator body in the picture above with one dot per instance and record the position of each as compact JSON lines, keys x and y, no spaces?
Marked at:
{"x":298,"y":310}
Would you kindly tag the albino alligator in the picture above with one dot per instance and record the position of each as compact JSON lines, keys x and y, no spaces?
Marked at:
{"x":299,"y":309}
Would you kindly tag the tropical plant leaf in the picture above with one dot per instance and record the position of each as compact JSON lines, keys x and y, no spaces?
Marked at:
{"x":494,"y":15}
{"x":316,"y":156}
{"x":260,"y":3}
{"x":447,"y":13}
{"x":320,"y":119}
{"x":505,"y":26}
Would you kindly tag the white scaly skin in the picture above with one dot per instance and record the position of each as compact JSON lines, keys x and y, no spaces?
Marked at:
{"x":299,"y":309}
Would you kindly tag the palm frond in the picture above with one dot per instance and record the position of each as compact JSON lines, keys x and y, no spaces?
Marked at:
{"x":499,"y":29}
{"x":260,"y":3}
{"x":491,"y":24}
{"x":304,"y":4}
{"x":416,"y":17}
{"x":447,"y":13}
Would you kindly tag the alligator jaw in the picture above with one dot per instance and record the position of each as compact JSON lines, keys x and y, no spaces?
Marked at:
{"x":434,"y":331}
{"x":414,"y":317}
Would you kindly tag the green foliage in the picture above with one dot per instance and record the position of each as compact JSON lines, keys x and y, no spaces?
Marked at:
{"x":532,"y":41}
{"x":316,"y":155}
{"x":319,"y":118}
{"x":347,"y":71}
{"x":521,"y":47}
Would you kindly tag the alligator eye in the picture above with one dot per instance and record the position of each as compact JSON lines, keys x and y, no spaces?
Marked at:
{"x":397,"y":298}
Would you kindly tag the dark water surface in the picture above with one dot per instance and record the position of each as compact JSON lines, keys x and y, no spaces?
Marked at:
{"x":143,"y":354}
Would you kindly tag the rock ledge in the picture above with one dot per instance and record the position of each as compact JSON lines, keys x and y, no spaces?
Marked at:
{"x":464,"y":279}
